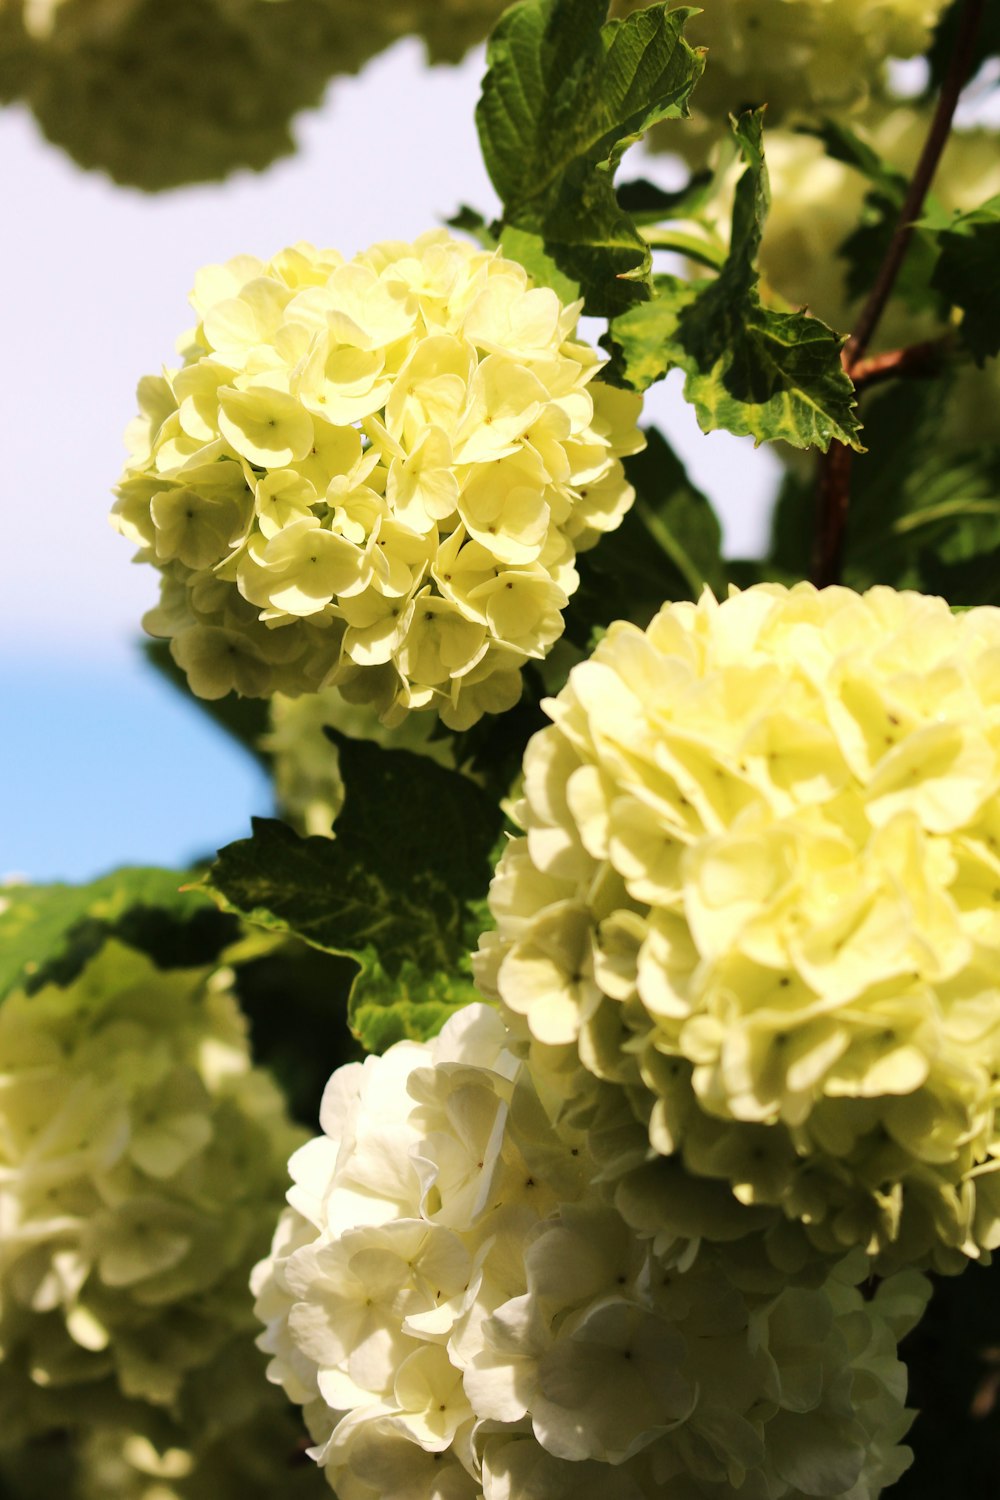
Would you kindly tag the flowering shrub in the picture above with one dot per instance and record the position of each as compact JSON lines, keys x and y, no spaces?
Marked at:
{"x":461,"y":1312}
{"x":140,"y":1154}
{"x":374,"y":474}
{"x":758,"y":888}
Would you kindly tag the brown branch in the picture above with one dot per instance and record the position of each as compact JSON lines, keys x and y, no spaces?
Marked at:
{"x":834,"y":489}
{"x":832,"y":501}
{"x":916,"y":361}
{"x":923,"y":176}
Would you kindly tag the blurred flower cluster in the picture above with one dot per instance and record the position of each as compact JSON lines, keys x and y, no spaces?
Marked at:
{"x":141,"y":1156}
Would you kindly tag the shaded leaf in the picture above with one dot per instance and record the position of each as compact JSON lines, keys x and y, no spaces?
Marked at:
{"x":967,"y":273}
{"x":750,"y":370}
{"x":648,"y":204}
{"x":399,"y":890}
{"x":667,"y":547}
{"x":565,"y":94}
{"x":528,"y":250}
{"x":471,"y":222}
{"x":49,"y":932}
{"x":987,"y":42}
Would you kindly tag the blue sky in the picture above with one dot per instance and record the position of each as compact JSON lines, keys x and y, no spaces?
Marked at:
{"x":100,"y":763}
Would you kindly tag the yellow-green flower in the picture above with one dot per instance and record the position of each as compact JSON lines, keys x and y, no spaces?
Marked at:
{"x":759,"y":887}
{"x":374,"y":475}
{"x":141,"y":1156}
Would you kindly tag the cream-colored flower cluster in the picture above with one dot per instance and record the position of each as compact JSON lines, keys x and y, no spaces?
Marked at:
{"x":759,"y":887}
{"x":141,"y":1157}
{"x":374,"y":474}
{"x":305,"y":766}
{"x":462,"y":1314}
{"x":795,"y":56}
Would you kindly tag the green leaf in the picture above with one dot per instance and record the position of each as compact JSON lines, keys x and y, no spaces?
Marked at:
{"x":667,"y":547}
{"x":922,"y":515}
{"x":648,"y":204}
{"x":383,"y":1010}
{"x":471,"y":222}
{"x":49,"y":932}
{"x":529,"y":251}
{"x":750,"y":370}
{"x":398,"y":890}
{"x":967,"y":275}
{"x":643,"y":342}
{"x":565,"y":94}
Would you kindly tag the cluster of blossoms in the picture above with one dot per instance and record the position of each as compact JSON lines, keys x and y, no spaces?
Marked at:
{"x":759,"y":894}
{"x":141,"y":1157}
{"x":158,"y":95}
{"x":795,"y":56}
{"x":374,"y":474}
{"x":305,"y":766}
{"x":462,"y":1315}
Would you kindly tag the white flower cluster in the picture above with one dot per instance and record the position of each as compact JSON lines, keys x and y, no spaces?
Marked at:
{"x":795,"y":56}
{"x":140,"y":1156}
{"x":463,"y":1315}
{"x":374,"y":474}
{"x":760,"y":888}
{"x":305,"y":766}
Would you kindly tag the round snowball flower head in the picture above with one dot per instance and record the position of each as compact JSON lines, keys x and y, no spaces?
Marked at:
{"x":759,"y":889}
{"x":462,"y":1314}
{"x":157,"y":95}
{"x":374,"y":474}
{"x":140,"y":1157}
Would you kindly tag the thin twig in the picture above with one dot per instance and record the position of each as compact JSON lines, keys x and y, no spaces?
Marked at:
{"x":832,"y":501}
{"x":918,"y":361}
{"x":834,"y":490}
{"x":923,"y":176}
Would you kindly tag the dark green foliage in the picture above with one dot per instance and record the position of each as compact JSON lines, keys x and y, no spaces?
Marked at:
{"x":398,"y":890}
{"x":565,"y":94}
{"x":749,"y":369}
